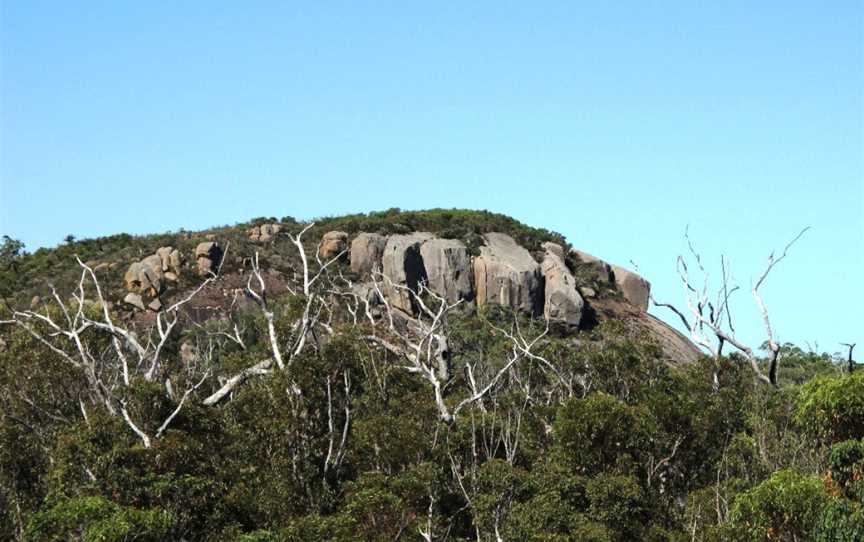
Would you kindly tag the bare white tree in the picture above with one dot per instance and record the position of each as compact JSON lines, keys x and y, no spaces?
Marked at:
{"x":283,"y":349}
{"x":706,"y":323}
{"x":108,"y":374}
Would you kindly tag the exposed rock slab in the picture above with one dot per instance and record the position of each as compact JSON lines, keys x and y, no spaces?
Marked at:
{"x":601,"y":268}
{"x":677,"y":348}
{"x":562,"y":302}
{"x":506,"y":274}
{"x":448,"y":269}
{"x":366,"y":252}
{"x":636,"y":289}
{"x":402,"y":265}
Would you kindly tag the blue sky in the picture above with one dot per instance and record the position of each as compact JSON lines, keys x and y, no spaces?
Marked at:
{"x":616,"y":124}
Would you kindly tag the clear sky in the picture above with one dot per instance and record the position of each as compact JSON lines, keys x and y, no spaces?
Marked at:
{"x":614,"y":123}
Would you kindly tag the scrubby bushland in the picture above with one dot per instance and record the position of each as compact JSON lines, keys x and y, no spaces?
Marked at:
{"x":307,"y":417}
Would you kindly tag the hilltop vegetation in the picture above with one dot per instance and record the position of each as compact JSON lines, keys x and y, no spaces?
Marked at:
{"x":347,"y":420}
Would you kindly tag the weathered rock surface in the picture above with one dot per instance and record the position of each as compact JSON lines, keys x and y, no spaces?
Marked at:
{"x":171,"y":260}
{"x":402,"y":265}
{"x":506,"y":274}
{"x":562,"y":302}
{"x":332,"y":243}
{"x":636,"y":290}
{"x":207,"y":256}
{"x":601,"y":268}
{"x":449,"y":272}
{"x":263,"y":232}
{"x":145,"y":276}
{"x":366,"y":252}
{"x":677,"y":348}
{"x":554,"y":248}
{"x":134,"y":300}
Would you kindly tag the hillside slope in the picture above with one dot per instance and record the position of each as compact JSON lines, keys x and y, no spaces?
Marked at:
{"x":432,"y":375}
{"x":111,"y":257}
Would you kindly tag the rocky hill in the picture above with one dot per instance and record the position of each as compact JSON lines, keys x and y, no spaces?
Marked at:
{"x":415,"y":376}
{"x":477,"y":258}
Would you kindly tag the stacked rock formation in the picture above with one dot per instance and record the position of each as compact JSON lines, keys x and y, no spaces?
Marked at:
{"x":145,"y":280}
{"x":504,"y":273}
{"x":263,"y":233}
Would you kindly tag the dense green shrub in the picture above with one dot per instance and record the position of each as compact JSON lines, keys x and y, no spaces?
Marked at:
{"x":96,"y":519}
{"x":787,"y":506}
{"x":831,"y":408}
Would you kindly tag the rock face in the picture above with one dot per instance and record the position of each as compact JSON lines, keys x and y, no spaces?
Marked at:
{"x":263,"y":233}
{"x":554,"y":248}
{"x":676,"y":347}
{"x":366,"y":252}
{"x":603,"y":269}
{"x":636,"y":290}
{"x":402,"y":265}
{"x":208,"y":255}
{"x":448,"y":269}
{"x":332,"y":243}
{"x":506,"y":274}
{"x":562,"y":303}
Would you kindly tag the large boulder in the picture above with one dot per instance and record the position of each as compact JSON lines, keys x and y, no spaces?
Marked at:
{"x":171,"y":260}
{"x":332,"y":244}
{"x":131,"y":279}
{"x":448,"y":269}
{"x":635,"y":289}
{"x":402,"y":265}
{"x":506,"y":274}
{"x":207,"y":256}
{"x":562,"y":303}
{"x":145,"y":276}
{"x":602,"y":269}
{"x":366,"y":252}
